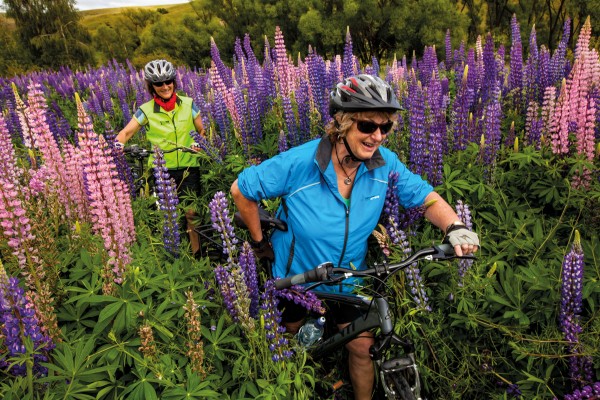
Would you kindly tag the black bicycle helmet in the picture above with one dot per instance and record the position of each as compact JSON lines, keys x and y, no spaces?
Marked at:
{"x":363,"y":93}
{"x":159,"y":71}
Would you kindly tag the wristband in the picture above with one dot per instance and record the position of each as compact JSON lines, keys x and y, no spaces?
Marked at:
{"x":454,"y":226}
{"x":118,"y":144}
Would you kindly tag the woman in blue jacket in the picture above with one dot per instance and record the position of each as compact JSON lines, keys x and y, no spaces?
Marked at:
{"x":333,"y":191}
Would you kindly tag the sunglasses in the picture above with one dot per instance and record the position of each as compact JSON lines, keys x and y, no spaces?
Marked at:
{"x":159,"y":84}
{"x":369,"y":127}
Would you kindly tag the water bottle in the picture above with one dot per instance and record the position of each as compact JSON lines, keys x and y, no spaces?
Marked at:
{"x":311,"y":332}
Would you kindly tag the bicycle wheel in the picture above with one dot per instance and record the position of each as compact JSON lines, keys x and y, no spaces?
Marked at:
{"x":399,"y":387}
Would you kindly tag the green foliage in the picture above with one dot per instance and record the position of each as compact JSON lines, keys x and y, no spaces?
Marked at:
{"x":498,"y":324}
{"x":50,"y":31}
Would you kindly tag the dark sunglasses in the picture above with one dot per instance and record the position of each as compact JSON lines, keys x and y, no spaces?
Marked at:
{"x":159,"y":84}
{"x":369,"y":127}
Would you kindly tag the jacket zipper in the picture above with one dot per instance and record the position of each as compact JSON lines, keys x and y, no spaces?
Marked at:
{"x":347,"y":228}
{"x":176,"y":144}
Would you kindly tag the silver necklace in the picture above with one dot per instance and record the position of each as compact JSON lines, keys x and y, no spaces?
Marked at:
{"x":348,"y":179}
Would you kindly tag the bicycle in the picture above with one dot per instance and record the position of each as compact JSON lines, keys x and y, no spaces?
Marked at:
{"x":395,"y":363}
{"x":138,"y":170}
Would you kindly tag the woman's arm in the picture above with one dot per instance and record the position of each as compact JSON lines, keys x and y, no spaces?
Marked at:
{"x":130,"y":129}
{"x":248,"y":211}
{"x":442,"y":215}
{"x":199,"y":126}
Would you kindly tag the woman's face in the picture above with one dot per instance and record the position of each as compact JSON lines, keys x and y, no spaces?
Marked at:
{"x":164,"y":89}
{"x":367,"y":133}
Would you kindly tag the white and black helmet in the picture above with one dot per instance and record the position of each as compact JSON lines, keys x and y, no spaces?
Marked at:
{"x":363,"y":93}
{"x":159,"y":71}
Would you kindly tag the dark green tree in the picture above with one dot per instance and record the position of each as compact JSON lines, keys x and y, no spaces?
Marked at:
{"x":14,"y":60}
{"x":50,"y":31}
{"x":115,"y":41}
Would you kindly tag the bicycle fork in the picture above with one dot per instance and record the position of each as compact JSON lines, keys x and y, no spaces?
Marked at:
{"x":405,"y":365}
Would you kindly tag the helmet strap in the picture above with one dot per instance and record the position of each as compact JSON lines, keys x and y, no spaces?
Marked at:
{"x":352,"y":155}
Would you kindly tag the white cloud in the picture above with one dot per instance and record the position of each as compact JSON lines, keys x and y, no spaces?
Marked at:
{"x":95,"y":4}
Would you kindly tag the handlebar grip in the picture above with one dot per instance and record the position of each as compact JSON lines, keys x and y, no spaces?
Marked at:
{"x":446,"y":248}
{"x":314,"y":275}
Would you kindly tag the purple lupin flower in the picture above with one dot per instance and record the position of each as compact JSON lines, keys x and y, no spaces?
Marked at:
{"x":227,"y":288}
{"x":417,"y":288}
{"x":269,"y":72}
{"x":348,"y":60}
{"x":591,"y":391}
{"x":544,"y":77}
{"x":290,"y":121}
{"x":515,"y":76}
{"x":570,"y":310}
{"x":391,"y":205}
{"x":18,"y":322}
{"x":398,"y":238}
{"x":207,"y":147}
{"x":279,"y":344}
{"x":533,"y":125}
{"x":222,"y":70}
{"x":218,"y":110}
{"x":247,"y":262}
{"x":558,"y":60}
{"x":464,"y":214}
{"x":492,"y":133}
{"x":460,"y":113}
{"x":318,"y":86}
{"x":490,"y":71}
{"x":300,"y":296}
{"x":303,"y":103}
{"x":436,"y":122}
{"x":239,"y":115}
{"x":416,"y":124}
{"x":448,"y":52}
{"x":167,"y":201}
{"x":531,"y":73}
{"x":221,"y":222}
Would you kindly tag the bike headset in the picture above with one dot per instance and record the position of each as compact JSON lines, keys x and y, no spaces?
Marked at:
{"x":362,"y":92}
{"x":159,"y":71}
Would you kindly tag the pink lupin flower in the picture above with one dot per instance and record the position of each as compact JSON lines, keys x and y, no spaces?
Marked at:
{"x":559,"y":129}
{"x":16,"y":228}
{"x":548,"y":108}
{"x":110,"y":205}
{"x":194,"y":344}
{"x":282,"y":67}
{"x":44,"y":142}
{"x":23,"y":120}
{"x":73,"y":170}
{"x":8,"y":164}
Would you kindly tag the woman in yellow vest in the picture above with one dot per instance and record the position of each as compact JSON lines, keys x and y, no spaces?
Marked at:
{"x":169,"y":119}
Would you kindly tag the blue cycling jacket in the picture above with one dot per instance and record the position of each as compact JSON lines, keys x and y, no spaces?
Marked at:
{"x":320,"y":226}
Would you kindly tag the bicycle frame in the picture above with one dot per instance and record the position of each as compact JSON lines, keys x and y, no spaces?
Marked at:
{"x":377,"y":315}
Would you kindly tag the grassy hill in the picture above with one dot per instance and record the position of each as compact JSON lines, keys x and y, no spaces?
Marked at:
{"x":92,"y":19}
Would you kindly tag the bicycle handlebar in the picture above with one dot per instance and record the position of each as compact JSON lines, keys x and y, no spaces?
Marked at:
{"x":140,"y":153}
{"x":326,"y":273}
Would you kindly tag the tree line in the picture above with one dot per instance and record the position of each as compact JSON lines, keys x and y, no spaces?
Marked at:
{"x":50,"y":34}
